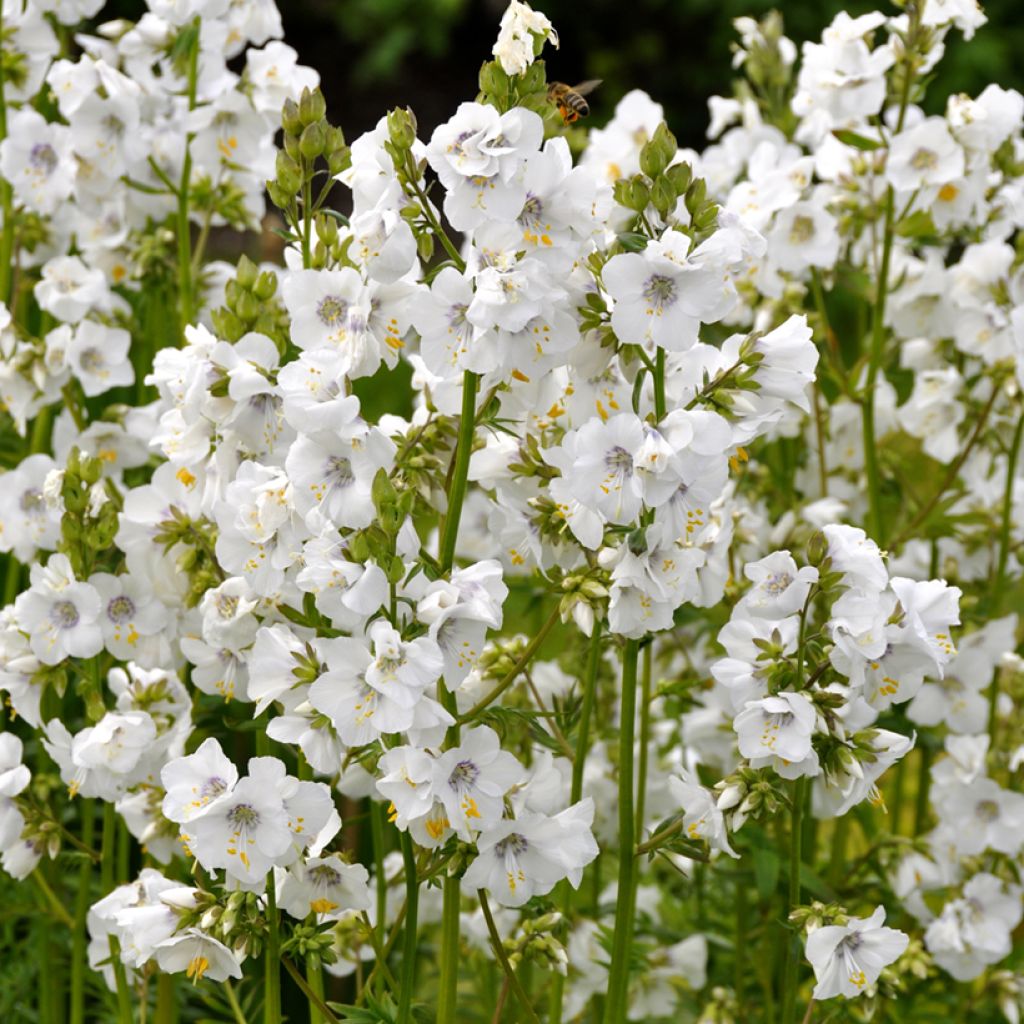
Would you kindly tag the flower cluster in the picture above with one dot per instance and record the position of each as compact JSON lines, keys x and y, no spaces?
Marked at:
{"x":576,"y":509}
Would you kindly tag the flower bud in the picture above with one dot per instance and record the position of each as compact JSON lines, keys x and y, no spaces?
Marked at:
{"x":312,"y":106}
{"x":313,"y":141}
{"x":290,"y":120}
{"x":401,"y":128}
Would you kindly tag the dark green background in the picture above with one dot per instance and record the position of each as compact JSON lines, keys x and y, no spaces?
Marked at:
{"x":375,"y":54}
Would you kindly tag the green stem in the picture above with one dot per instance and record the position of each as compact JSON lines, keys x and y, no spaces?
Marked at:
{"x":377,"y":836}
{"x":166,"y":1000}
{"x":447,"y":990}
{"x":924,"y":781}
{"x":1006,"y":520}
{"x":272,"y":960}
{"x":236,"y":1009}
{"x":460,"y":473}
{"x":659,"y":385}
{"x":791,"y":959}
{"x":184,"y":231}
{"x":124,"y":998}
{"x":579,"y":762}
{"x":6,"y":202}
{"x":524,"y":659}
{"x":315,"y":981}
{"x":107,"y":864}
{"x":412,"y":899}
{"x":645,"y":738}
{"x":618,"y":971}
{"x":313,"y":998}
{"x":837,"y":861}
{"x":499,"y":950}
{"x":79,"y":939}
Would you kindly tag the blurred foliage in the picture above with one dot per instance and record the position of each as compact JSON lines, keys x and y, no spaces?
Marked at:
{"x":373,"y":54}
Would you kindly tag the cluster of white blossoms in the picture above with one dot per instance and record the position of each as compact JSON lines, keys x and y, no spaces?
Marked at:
{"x":586,"y":602}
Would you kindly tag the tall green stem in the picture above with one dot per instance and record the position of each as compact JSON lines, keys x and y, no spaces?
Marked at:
{"x":186,"y":297}
{"x":460,"y":470}
{"x":659,"y":385}
{"x":166,"y":1000}
{"x":79,"y":938}
{"x":6,"y":201}
{"x":407,"y":983}
{"x":791,"y":960}
{"x":447,"y":990}
{"x":579,"y":762}
{"x":618,"y":971}
{"x":272,"y":960}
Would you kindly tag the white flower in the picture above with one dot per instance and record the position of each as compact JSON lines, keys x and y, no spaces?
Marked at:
{"x":324,"y":886}
{"x":98,"y":357}
{"x":199,"y":955}
{"x":69,"y":289}
{"x":780,"y":588}
{"x":195,"y":781}
{"x":60,"y":614}
{"x":702,"y":818}
{"x":521,"y":28}
{"x":924,"y":155}
{"x":36,"y":158}
{"x":847,"y":959}
{"x":528,"y":855}
{"x":777,"y":730}
{"x":471,"y":780}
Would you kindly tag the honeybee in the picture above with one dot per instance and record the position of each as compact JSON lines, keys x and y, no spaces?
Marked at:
{"x":569,"y":98}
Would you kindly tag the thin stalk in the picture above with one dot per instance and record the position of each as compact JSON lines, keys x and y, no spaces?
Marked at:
{"x":659,"y":385}
{"x":167,"y":1000}
{"x":463,"y":451}
{"x":272,"y":960}
{"x":447,"y":991}
{"x":412,"y":899}
{"x":740,"y":942}
{"x":622,"y":942}
{"x":499,"y":950}
{"x":315,"y":981}
{"x":124,"y":998}
{"x":645,"y":738}
{"x":6,"y":204}
{"x":791,"y":959}
{"x":299,"y":980}
{"x":524,"y":659}
{"x":78,"y":937}
{"x":236,"y":1009}
{"x":377,"y":836}
{"x":186,"y":298}
{"x":924,"y":781}
{"x":50,"y":896}
{"x":579,"y":762}
{"x":107,"y":848}
{"x":1006,"y":519}
{"x":837,"y":861}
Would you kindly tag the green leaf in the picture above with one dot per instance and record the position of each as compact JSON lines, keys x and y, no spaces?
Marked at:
{"x":848,"y":138}
{"x":766,"y":871}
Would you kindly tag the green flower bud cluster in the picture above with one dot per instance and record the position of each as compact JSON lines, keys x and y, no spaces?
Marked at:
{"x":237,"y":920}
{"x":89,"y":522}
{"x":589,"y":588}
{"x":750,"y":793}
{"x":817,"y":915}
{"x":721,"y":1009}
{"x":505,"y":91}
{"x":312,"y":942}
{"x":769,"y":77}
{"x":250,"y":305}
{"x":194,"y":541}
{"x":540,"y":941}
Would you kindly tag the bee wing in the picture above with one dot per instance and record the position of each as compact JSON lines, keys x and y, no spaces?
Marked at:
{"x":585,"y":88}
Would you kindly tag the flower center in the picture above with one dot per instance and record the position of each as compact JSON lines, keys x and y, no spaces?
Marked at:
{"x":43,"y":158}
{"x":331,"y":310}
{"x":515,"y":844}
{"x":32,"y":501}
{"x":924,"y":160}
{"x":120,"y":609}
{"x":660,"y":291}
{"x":324,"y":875}
{"x":986,"y":810}
{"x":64,"y":615}
{"x":778,"y":583}
{"x":802,"y":230}
{"x":618,"y":460}
{"x":244,"y":816}
{"x":339,"y":470}
{"x":463,"y":775}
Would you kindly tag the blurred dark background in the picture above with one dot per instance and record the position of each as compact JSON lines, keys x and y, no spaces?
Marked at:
{"x":377,"y":54}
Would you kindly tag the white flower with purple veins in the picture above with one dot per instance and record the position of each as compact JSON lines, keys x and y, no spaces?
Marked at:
{"x":402,"y":669}
{"x":98,"y":357}
{"x":665,"y":293}
{"x":478,"y":155}
{"x":27,"y":521}
{"x":130,"y":611}
{"x":779,"y":587}
{"x":346,"y":592}
{"x":931,"y":608}
{"x":227,"y":613}
{"x":245,"y":832}
{"x":193,"y":782}
{"x":440,"y":319}
{"x":318,"y":302}
{"x":834,"y":794}
{"x":777,"y":731}
{"x":847,"y":959}
{"x":68,"y":289}
{"x":333,"y":476}
{"x":325,"y":886}
{"x":529,"y":855}
{"x":985,"y":816}
{"x":471,"y":780}
{"x":925,"y":155}
{"x":37,"y":158}
{"x":404,"y":778}
{"x":854,"y":554}
{"x":59,"y":613}
{"x":702,"y":818}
